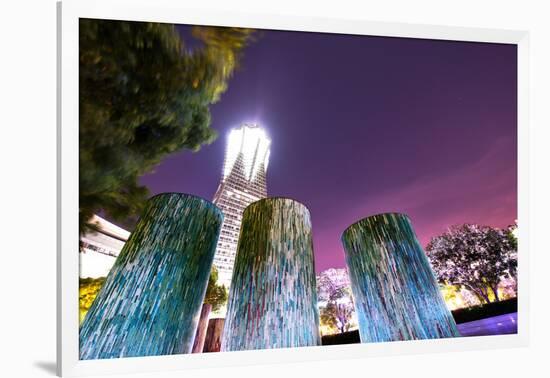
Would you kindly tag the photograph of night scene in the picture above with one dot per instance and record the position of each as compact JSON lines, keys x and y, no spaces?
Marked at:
{"x":244,"y":189}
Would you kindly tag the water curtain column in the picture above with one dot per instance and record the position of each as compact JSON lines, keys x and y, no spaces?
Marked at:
{"x":151,"y":300}
{"x":273,"y":299}
{"x":394,"y":288}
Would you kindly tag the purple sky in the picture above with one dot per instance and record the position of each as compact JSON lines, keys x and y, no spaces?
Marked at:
{"x":363,"y":125}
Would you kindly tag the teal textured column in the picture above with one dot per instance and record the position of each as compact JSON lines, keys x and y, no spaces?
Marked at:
{"x":151,"y":300}
{"x":273,"y":299}
{"x":394,"y":289}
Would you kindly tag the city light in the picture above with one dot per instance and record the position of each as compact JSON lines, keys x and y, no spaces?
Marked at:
{"x":252,"y":142}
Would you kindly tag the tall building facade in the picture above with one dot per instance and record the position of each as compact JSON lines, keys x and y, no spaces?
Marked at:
{"x":243,"y":182}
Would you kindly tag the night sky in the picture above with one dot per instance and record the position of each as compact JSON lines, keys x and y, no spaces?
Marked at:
{"x":363,"y":125}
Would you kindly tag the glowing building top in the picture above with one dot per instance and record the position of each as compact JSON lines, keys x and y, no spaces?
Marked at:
{"x":251,"y":143}
{"x":243,"y":182}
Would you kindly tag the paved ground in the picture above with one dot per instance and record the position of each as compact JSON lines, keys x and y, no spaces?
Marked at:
{"x":497,"y":325}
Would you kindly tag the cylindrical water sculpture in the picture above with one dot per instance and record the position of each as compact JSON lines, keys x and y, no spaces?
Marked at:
{"x":273,"y":299}
{"x":151,"y":300}
{"x":394,"y":289}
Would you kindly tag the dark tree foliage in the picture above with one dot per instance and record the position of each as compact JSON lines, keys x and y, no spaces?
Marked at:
{"x":216,"y":295}
{"x":143,"y":96}
{"x":474,"y":257}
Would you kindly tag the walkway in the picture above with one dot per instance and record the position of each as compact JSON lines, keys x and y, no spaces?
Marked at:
{"x":497,"y":325}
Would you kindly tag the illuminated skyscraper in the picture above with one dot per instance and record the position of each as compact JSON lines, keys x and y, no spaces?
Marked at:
{"x":243,"y":182}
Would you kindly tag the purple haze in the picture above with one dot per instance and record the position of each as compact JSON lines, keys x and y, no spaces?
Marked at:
{"x":363,"y":125}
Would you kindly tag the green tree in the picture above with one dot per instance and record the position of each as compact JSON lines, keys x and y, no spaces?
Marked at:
{"x":216,"y":295}
{"x":143,"y":95}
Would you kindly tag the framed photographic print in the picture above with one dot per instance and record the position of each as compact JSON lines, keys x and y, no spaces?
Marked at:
{"x":264,"y":188}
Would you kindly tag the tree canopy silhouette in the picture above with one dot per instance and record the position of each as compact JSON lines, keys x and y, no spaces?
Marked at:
{"x":142,"y":96}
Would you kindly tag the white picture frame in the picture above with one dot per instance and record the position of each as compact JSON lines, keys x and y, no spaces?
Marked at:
{"x":68,"y":363}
